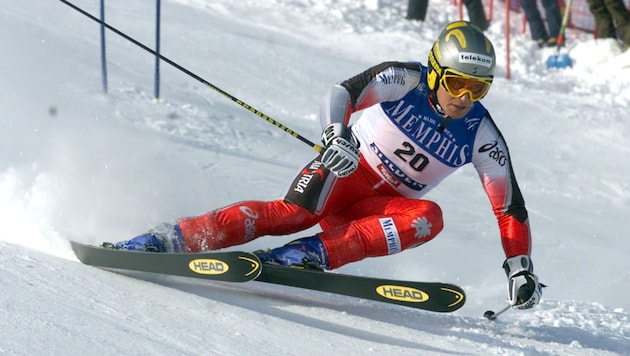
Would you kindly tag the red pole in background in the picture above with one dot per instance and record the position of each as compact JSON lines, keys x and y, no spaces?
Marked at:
{"x":507,"y":39}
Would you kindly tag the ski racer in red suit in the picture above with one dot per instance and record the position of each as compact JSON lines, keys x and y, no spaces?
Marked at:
{"x":419,"y":124}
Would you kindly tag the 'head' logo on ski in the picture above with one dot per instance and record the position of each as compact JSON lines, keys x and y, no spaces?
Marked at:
{"x":208,"y":266}
{"x":402,"y":293}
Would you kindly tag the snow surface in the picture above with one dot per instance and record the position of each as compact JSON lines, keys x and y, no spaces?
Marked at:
{"x":77,"y":164}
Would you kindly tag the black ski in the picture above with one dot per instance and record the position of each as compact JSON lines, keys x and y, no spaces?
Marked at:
{"x":431,"y":296}
{"x":243,"y":266}
{"x":219,"y":266}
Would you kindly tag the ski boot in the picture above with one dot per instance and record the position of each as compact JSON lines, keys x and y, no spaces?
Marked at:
{"x":164,"y":238}
{"x":308,"y":252}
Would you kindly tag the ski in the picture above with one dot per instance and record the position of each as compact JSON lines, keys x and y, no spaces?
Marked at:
{"x":244,"y":266}
{"x":218,"y":266}
{"x":430,"y":296}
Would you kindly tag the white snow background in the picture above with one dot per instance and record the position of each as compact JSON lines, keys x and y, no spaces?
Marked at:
{"x":78,"y":164}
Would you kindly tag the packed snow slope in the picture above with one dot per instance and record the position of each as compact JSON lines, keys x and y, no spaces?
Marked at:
{"x":80,"y":164}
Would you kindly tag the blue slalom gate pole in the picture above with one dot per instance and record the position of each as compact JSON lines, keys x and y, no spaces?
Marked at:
{"x":103,"y":57}
{"x":156,"y":91}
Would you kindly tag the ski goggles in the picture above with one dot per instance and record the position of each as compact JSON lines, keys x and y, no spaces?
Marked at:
{"x":457,"y":84}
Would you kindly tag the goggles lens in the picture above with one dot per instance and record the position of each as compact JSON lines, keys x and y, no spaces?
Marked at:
{"x":458,"y":84}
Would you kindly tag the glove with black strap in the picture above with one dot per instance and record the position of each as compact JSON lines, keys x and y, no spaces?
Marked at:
{"x":524,"y":291}
{"x":341,"y":152}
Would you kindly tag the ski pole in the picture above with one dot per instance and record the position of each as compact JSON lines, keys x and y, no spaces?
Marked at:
{"x":253,"y":110}
{"x":491,"y":315}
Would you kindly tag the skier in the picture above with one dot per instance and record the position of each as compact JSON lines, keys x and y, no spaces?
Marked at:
{"x":418,"y":125}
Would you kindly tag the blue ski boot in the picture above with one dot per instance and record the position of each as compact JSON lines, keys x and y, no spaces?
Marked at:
{"x":308,"y":252}
{"x":164,"y":238}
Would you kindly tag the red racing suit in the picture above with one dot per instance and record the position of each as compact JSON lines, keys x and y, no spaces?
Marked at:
{"x":406,"y":148}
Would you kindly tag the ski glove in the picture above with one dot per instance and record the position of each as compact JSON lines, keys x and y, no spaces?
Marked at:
{"x":341,"y":152}
{"x":524,"y":291}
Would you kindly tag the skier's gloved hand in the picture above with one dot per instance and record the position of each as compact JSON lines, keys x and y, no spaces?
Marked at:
{"x":341,"y":150}
{"x":524,"y":291}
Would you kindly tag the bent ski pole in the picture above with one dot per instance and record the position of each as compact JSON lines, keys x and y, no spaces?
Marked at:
{"x":253,"y":110}
{"x":491,"y":315}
